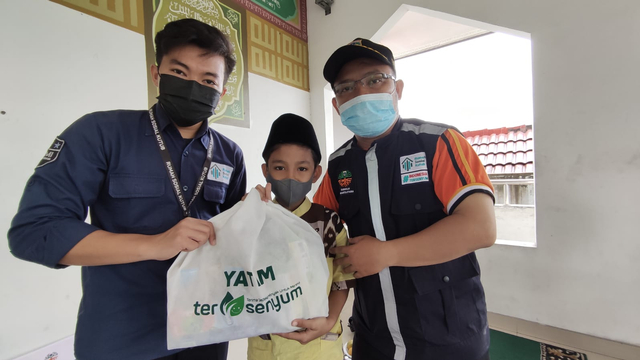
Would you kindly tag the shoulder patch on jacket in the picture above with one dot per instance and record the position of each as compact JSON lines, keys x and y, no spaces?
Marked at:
{"x":53,"y":152}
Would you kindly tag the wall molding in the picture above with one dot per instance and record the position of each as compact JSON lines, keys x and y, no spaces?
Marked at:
{"x":591,"y":345}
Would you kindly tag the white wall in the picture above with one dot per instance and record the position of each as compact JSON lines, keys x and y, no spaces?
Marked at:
{"x":57,"y":65}
{"x":516,"y":224}
{"x":584,"y":275}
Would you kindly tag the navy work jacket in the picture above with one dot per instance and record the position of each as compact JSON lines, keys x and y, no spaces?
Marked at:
{"x":109,"y":164}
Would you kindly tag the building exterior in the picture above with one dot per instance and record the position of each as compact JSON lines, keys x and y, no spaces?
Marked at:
{"x":507,"y":155}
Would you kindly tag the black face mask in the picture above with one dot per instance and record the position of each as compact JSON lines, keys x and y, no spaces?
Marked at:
{"x":187,"y":102}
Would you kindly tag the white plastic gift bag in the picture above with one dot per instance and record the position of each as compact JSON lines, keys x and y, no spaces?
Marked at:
{"x":267,"y":268}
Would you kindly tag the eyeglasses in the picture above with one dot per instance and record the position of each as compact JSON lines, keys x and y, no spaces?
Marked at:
{"x":379,"y":81}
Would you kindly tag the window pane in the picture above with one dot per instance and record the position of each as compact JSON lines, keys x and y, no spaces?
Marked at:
{"x":499,"y":194}
{"x":521,"y":194}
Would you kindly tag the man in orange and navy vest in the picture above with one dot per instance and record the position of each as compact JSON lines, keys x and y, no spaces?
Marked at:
{"x":418,"y":203}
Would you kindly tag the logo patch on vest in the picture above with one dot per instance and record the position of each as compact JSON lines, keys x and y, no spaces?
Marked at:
{"x":344,"y":180}
{"x":53,"y":153}
{"x":220,"y":173}
{"x":413,"y":168}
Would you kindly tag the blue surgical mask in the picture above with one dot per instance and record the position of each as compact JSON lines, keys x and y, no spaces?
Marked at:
{"x":369,"y":115}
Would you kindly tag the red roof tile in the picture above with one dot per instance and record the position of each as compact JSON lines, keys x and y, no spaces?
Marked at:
{"x":507,"y":150}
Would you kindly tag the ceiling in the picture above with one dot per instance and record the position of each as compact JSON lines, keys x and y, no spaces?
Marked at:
{"x":414,"y":33}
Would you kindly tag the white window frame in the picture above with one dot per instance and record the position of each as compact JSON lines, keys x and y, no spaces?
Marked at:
{"x":506,"y":194}
{"x":506,"y":190}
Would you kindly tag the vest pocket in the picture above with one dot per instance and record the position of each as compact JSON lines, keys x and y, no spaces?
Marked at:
{"x":414,"y":207}
{"x":447,"y":300}
{"x":348,"y":208}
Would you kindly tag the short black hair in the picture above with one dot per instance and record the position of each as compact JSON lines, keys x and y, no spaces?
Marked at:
{"x":193,"y":32}
{"x":267,"y":154}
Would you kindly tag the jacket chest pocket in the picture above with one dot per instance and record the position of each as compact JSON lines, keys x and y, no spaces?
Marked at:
{"x":215,"y":192}
{"x":135,"y":202}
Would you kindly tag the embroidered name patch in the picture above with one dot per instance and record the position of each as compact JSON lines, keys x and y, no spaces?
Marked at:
{"x":53,"y":153}
{"x":415,"y":177}
{"x":413,"y":168}
{"x":415,"y":162}
{"x":220,"y":173}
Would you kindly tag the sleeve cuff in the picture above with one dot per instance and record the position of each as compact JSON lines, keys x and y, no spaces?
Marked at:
{"x":62,"y":237}
{"x":338,"y":285}
{"x":466,"y":191}
{"x":343,"y":285}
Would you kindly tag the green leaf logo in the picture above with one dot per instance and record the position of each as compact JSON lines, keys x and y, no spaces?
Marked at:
{"x":344,"y":174}
{"x":233,"y":306}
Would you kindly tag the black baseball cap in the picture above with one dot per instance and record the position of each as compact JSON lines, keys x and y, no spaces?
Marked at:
{"x":358,"y":48}
{"x":291,"y":129}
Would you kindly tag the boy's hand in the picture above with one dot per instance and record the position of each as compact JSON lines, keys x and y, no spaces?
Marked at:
{"x":265,"y":192}
{"x":312,"y":329}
